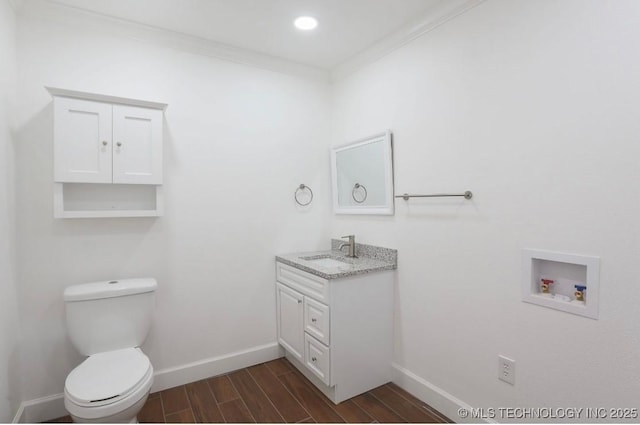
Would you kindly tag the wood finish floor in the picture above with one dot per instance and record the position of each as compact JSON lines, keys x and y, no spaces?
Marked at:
{"x":276,"y":392}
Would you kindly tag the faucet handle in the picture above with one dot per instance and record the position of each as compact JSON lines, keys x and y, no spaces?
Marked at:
{"x":348,"y":236}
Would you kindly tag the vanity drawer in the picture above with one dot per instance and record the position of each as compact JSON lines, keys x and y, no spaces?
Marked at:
{"x":316,"y":320}
{"x":316,"y":358}
{"x":306,"y":283}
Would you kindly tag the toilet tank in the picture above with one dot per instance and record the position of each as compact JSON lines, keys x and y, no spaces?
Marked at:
{"x":110,"y":315}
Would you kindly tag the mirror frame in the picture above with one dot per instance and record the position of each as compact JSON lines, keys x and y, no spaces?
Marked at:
{"x":388,"y":207}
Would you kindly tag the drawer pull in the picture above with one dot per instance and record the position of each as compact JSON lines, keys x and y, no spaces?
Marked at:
{"x":313,"y":359}
{"x":314,"y":320}
{"x":299,"y":301}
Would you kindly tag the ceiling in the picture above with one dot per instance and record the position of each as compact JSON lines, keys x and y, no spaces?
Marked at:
{"x":346,"y":27}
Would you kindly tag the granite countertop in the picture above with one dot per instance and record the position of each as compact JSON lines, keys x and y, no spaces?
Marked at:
{"x":370,"y":259}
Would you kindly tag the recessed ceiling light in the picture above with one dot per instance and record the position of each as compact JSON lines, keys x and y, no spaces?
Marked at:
{"x":306,"y":23}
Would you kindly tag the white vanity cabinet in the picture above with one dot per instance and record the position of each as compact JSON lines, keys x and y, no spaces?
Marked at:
{"x":337,"y":332}
{"x":103,"y":146}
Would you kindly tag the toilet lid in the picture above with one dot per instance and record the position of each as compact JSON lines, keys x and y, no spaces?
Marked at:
{"x":104,"y":377}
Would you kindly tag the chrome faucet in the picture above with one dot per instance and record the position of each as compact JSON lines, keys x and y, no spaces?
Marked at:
{"x":351,"y":244}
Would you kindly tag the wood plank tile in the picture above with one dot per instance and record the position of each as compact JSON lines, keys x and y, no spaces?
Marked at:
{"x":348,"y":410}
{"x":403,"y":407}
{"x":352,"y":413}
{"x":307,"y":421}
{"x":181,"y":417}
{"x":174,"y":400}
{"x":279,"y":366}
{"x":276,"y":390}
{"x":203,"y":404}
{"x":236,"y":412}
{"x":223,"y":389}
{"x":418,"y":402}
{"x":315,"y":405}
{"x":376,"y":409}
{"x":259,"y":405}
{"x":152,"y":412}
{"x":284,"y":402}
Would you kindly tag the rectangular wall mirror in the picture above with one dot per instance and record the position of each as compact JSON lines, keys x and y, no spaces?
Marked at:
{"x":362,"y":174}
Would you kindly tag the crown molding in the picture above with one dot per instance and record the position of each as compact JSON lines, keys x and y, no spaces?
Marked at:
{"x":445,"y":11}
{"x":50,"y":10}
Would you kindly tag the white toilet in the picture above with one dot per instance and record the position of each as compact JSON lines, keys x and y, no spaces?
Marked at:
{"x":108,"y":321}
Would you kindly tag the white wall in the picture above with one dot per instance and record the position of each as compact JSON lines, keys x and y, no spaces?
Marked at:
{"x":534,"y":106}
{"x":239,"y":141}
{"x":9,"y":323}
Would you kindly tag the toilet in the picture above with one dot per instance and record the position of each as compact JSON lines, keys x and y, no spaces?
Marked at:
{"x":108,"y":321}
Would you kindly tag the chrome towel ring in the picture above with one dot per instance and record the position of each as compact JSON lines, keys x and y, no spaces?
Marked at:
{"x":353,"y":193}
{"x":301,"y":188}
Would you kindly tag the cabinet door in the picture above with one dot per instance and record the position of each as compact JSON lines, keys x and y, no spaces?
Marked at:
{"x":137,"y":149}
{"x":82,"y":141}
{"x":289,"y":310}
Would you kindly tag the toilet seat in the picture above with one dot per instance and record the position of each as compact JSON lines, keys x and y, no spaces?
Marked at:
{"x":107,"y":383}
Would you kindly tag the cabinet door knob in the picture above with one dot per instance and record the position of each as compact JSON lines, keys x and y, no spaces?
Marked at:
{"x":313,"y":359}
{"x":104,"y":143}
{"x":299,"y":301}
{"x":314,"y":320}
{"x":118,"y":144}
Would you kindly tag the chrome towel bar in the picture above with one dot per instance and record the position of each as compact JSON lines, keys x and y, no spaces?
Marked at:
{"x":466,"y":195}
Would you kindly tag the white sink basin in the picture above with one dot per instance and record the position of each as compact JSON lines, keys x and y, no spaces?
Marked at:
{"x":326,"y":261}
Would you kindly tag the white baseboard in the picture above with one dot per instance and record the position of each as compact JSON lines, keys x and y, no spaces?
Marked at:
{"x":434,"y":396}
{"x":18,"y":416}
{"x":52,"y":407}
{"x":41,"y":409}
{"x":180,"y":375}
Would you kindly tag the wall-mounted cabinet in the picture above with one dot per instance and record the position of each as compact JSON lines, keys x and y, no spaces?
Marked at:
{"x":108,"y":154}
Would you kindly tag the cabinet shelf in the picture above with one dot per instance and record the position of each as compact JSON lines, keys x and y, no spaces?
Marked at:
{"x":87,"y":200}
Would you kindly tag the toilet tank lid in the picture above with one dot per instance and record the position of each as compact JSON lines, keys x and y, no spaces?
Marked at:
{"x":109,"y":289}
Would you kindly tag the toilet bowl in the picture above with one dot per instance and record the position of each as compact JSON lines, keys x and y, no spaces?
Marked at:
{"x":108,"y":321}
{"x":109,"y":387}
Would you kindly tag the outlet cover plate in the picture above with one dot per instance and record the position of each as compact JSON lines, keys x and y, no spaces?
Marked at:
{"x":507,"y":370}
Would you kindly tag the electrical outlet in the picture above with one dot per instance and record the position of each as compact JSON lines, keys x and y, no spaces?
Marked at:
{"x":507,"y":370}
